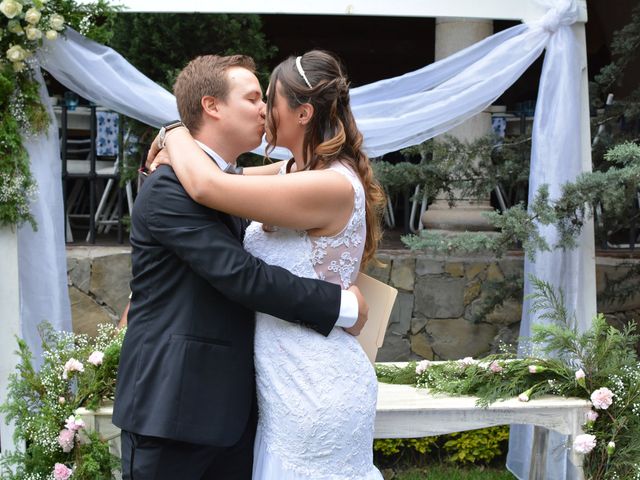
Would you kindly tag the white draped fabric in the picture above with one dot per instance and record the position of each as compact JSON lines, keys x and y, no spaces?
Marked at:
{"x":392,"y":114}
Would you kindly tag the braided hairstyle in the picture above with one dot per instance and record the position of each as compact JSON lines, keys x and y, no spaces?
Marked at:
{"x":332,"y":133}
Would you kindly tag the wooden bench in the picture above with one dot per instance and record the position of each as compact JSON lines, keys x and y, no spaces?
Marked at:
{"x":406,"y":412}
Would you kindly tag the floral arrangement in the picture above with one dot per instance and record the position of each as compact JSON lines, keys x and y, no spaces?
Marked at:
{"x":600,"y":365}
{"x":23,"y":26}
{"x":76,"y":372}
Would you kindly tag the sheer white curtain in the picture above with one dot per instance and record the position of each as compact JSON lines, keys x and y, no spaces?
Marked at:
{"x":392,"y":114}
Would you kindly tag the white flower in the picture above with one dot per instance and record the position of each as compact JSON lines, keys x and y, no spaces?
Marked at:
{"x":16,"y":53}
{"x":10,"y":8}
{"x":523,"y":397}
{"x":96,"y":358}
{"x":422,"y":366}
{"x":584,"y":443}
{"x":580,"y":374}
{"x":72,"y":365}
{"x":56,"y":22}
{"x":51,"y":34}
{"x":611,"y":447}
{"x":33,"y":33}
{"x":32,"y":16}
{"x":602,"y":398}
{"x":14,"y":26}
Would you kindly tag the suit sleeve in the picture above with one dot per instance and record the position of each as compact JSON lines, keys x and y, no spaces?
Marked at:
{"x":197,"y":235}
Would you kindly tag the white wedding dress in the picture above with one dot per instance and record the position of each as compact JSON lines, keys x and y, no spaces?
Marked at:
{"x":316,"y":395}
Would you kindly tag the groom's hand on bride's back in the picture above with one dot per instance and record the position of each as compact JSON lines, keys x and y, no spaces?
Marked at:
{"x":363,"y":312}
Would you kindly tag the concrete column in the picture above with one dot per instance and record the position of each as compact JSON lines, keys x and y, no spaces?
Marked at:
{"x":452,"y":35}
{"x":9,"y":322}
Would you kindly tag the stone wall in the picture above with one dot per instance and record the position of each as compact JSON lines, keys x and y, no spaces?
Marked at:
{"x":433,"y":318}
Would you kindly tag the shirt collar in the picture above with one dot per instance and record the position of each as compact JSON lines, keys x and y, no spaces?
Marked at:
{"x":217,"y":158}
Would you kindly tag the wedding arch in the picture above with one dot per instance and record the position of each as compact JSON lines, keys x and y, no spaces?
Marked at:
{"x":392,"y":114}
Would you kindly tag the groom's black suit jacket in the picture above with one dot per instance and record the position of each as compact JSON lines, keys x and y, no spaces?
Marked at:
{"x":186,"y":368}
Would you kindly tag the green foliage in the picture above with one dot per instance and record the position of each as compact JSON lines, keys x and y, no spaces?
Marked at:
{"x":476,"y":446}
{"x":40,"y":402}
{"x":605,"y":355}
{"x":160,"y":45}
{"x":21,"y":111}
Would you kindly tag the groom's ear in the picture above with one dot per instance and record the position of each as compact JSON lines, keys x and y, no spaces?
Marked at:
{"x":210,"y":106}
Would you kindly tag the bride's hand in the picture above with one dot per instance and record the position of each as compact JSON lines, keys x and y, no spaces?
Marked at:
{"x":161,"y":158}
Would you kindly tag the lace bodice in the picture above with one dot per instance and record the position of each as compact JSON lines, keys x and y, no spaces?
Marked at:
{"x":337,"y":258}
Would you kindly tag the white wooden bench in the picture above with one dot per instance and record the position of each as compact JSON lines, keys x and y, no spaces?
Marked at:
{"x":407,"y":412}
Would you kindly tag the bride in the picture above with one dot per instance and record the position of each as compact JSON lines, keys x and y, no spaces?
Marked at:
{"x":320,"y":218}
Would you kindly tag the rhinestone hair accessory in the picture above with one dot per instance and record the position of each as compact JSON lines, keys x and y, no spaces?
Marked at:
{"x":301,"y":71}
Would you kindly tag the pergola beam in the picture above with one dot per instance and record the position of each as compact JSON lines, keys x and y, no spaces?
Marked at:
{"x":520,"y":10}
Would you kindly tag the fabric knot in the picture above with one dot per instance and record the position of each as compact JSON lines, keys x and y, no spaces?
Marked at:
{"x":551,"y":20}
{"x":562,"y":13}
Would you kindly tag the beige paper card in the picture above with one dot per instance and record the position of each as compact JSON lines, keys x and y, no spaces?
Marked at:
{"x":380,"y":298}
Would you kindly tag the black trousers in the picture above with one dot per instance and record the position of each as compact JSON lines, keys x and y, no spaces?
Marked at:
{"x":152,"y":458}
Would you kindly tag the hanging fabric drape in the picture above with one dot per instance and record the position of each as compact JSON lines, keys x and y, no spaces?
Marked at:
{"x":392,"y":114}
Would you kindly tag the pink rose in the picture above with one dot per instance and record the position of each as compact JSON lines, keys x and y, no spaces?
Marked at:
{"x":96,"y":358}
{"x":61,"y":472}
{"x":591,"y":416}
{"x":584,"y":443}
{"x":74,"y":424}
{"x":580,"y":374}
{"x":602,"y":398}
{"x":65,"y":439}
{"x":422,"y":367}
{"x":495,"y":367}
{"x":72,"y":365}
{"x":467,"y":361}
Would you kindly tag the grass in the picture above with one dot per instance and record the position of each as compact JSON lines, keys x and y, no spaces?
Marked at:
{"x":453,"y":473}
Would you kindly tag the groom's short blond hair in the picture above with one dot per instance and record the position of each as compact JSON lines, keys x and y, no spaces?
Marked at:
{"x":205,"y":76}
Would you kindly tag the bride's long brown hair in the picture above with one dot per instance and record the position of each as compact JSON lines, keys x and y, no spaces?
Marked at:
{"x":332,"y":133}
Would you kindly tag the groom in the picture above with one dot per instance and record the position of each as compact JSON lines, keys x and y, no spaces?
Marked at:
{"x":186,"y":390}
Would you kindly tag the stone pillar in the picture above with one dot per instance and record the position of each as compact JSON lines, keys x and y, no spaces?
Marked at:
{"x":9,"y":322}
{"x":452,"y":35}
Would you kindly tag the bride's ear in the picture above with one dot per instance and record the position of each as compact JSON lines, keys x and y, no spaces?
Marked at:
{"x":305,"y":113}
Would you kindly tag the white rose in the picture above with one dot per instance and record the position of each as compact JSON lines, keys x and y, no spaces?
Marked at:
{"x":33,"y":33}
{"x":18,"y":66}
{"x":56,"y":21}
{"x":14,"y":26}
{"x":51,"y":34}
{"x":10,"y":8}
{"x":16,"y":53}
{"x":32,"y":16}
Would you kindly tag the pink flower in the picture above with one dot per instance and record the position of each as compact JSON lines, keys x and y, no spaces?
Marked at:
{"x":422,"y":367}
{"x":74,"y":424}
{"x":602,"y":398}
{"x":495,"y":367}
{"x":591,"y":416}
{"x":580,"y":374}
{"x":65,"y":439}
{"x":584,"y":443}
{"x":96,"y":358}
{"x":61,"y":472}
{"x":466,"y":361}
{"x":61,"y":400}
{"x":524,"y":397}
{"x":72,"y":365}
